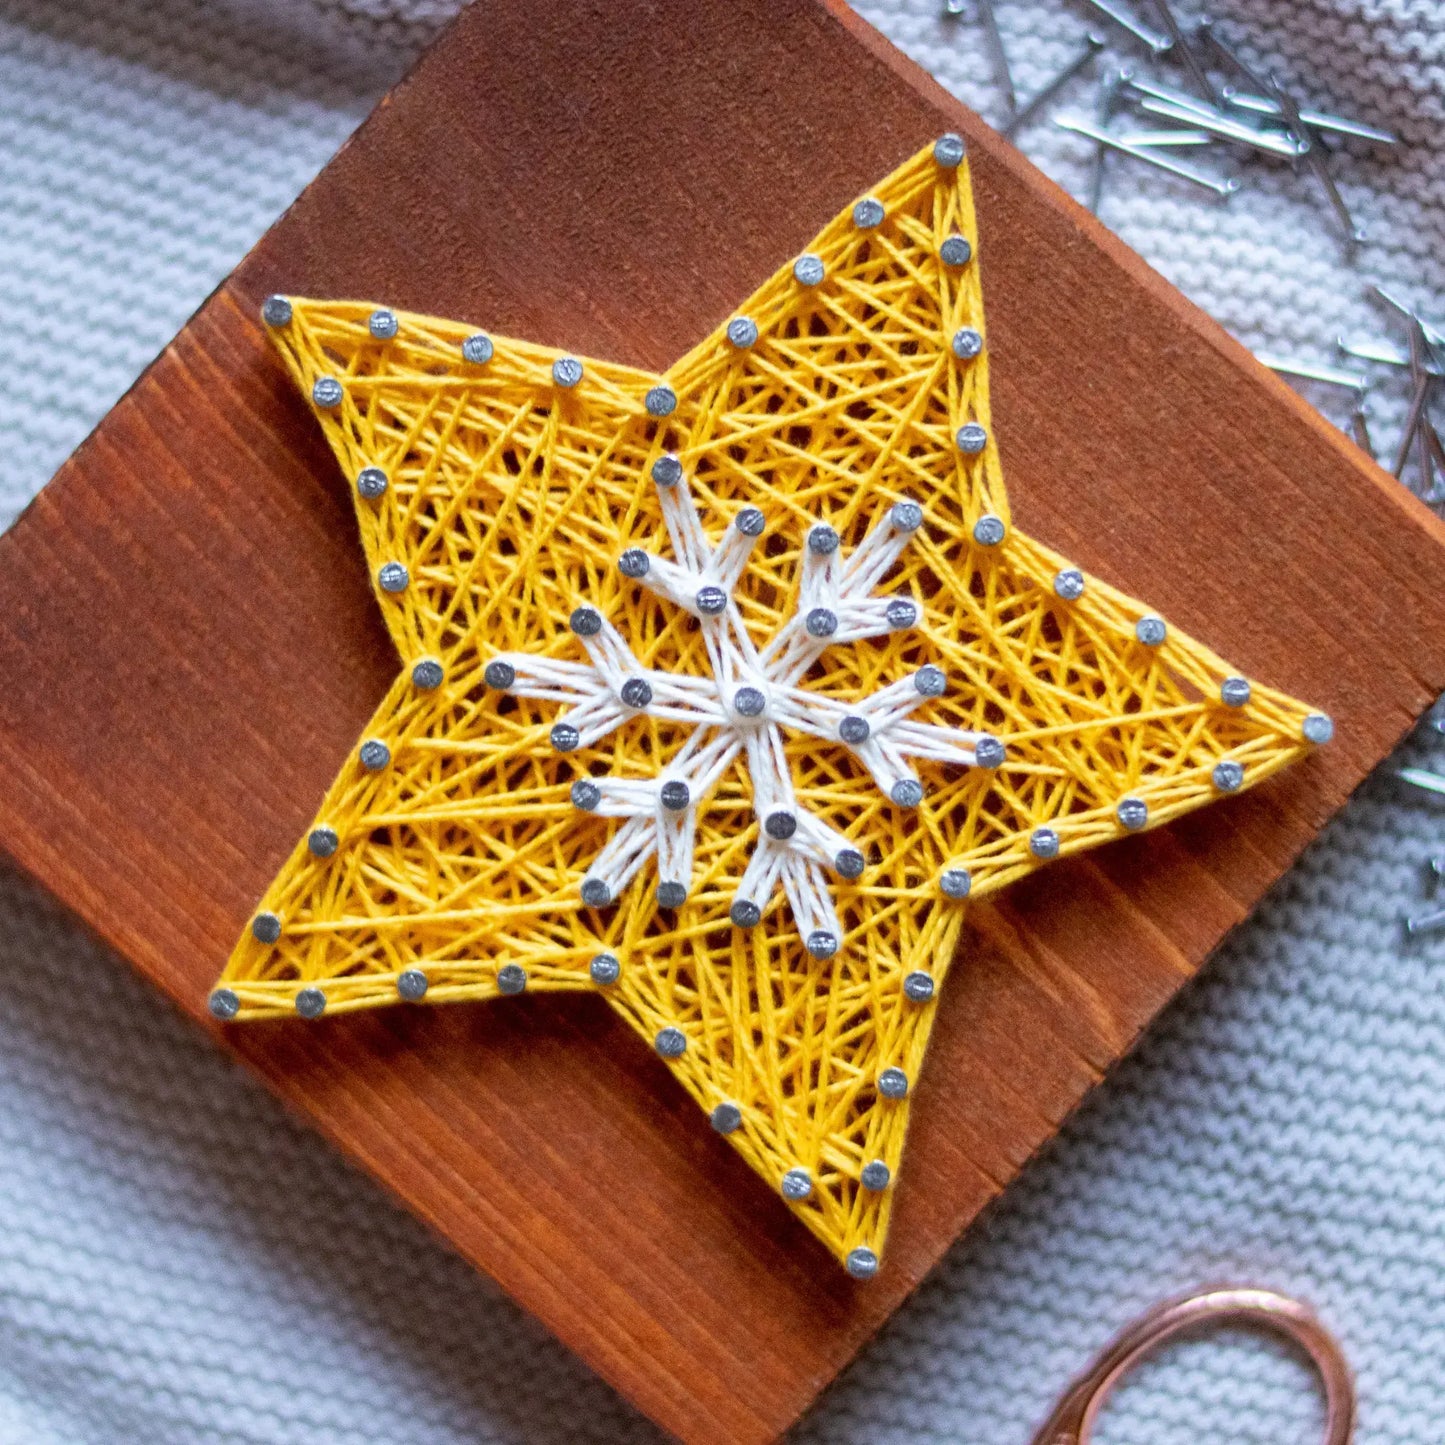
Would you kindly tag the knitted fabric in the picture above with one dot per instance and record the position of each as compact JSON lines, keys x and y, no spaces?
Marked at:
{"x":722,"y":691}
{"x":1281,"y":1122}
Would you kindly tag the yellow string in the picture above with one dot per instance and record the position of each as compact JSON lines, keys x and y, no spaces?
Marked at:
{"x":509,"y":499}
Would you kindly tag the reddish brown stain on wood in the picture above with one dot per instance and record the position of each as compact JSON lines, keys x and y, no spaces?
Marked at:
{"x":190,"y":648}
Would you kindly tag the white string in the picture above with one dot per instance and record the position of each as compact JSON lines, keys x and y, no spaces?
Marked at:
{"x":745,"y":707}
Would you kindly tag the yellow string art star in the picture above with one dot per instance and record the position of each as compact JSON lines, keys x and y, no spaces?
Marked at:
{"x":722,"y":690}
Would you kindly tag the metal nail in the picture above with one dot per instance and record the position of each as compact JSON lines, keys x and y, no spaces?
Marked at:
{"x":1205,"y":34}
{"x":1222,"y":188}
{"x":1423,"y":778}
{"x":1156,"y":42}
{"x":1315,"y":159}
{"x":1269,"y":143}
{"x":1182,"y":50}
{"x":1093,"y":44}
{"x":1110,"y":97}
{"x":1315,"y":119}
{"x":994,"y":38}
{"x":1426,"y":922}
{"x":1434,"y":337}
{"x":1327,"y":374}
{"x":1412,"y":423}
{"x":1437,"y":454}
{"x":1365,"y":348}
{"x":1170,"y":138}
{"x":1168,"y":93}
{"x":1360,"y":427}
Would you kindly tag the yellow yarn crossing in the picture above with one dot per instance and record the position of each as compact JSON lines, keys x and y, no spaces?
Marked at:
{"x":493,"y":500}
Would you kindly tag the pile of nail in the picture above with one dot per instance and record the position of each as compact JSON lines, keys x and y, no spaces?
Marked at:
{"x":1190,"y":92}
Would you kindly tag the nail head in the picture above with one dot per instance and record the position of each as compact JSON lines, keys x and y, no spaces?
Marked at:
{"x":670,"y":1042}
{"x":1228,"y":775}
{"x":749,"y":702}
{"x":370,"y":483}
{"x":822,"y":943}
{"x":955,"y":883}
{"x":726,"y":1117}
{"x":1132,"y":813}
{"x":374,"y":755}
{"x":478,"y":348}
{"x":585,"y":621}
{"x":808,"y":270}
{"x":875,"y":1176}
{"x":796,"y":1184}
{"x":955,"y":251}
{"x":411,"y":984}
{"x":604,"y":969}
{"x":868,"y":213}
{"x":967,"y":343}
{"x":1069,"y":584}
{"x":671,"y":893}
{"x":930,"y":681}
{"x":675,"y":795}
{"x":745,"y":913}
{"x":223,"y":1002}
{"x":326,"y":392}
{"x":918,"y":987}
{"x":821,"y":622}
{"x":742,"y":332}
{"x":1151,"y":630}
{"x":596,"y":893}
{"x":310,"y":1003}
{"x":971,"y":439}
{"x":661,"y":401}
{"x":1234,"y":691}
{"x":907,"y":792}
{"x":948,"y":150}
{"x":636,"y":692}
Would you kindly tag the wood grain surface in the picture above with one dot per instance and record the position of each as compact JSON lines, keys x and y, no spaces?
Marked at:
{"x":189,"y":649}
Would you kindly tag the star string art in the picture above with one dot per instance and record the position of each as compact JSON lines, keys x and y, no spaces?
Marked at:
{"x":722,"y":691}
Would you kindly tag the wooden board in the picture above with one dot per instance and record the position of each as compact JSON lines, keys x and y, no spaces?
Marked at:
{"x":189,"y":649}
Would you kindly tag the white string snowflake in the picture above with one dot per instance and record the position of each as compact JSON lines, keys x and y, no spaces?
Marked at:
{"x":745,"y":707}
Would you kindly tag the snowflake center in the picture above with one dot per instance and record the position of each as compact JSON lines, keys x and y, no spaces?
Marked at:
{"x":743,"y":709}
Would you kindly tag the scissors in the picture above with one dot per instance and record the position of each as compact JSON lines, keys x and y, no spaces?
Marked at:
{"x":1073,"y":1419}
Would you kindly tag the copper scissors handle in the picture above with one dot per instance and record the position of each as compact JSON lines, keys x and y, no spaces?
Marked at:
{"x":1073,"y":1419}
